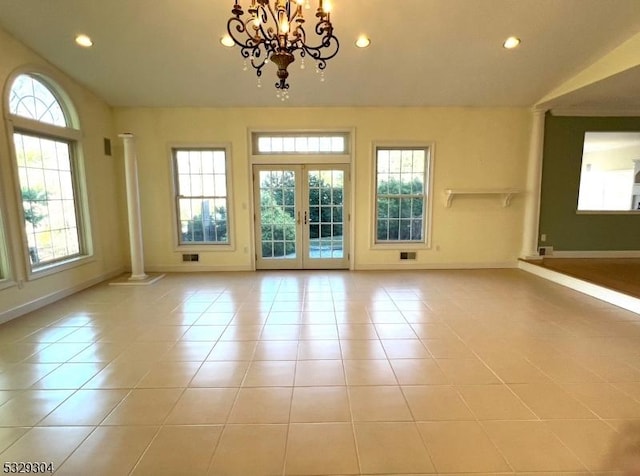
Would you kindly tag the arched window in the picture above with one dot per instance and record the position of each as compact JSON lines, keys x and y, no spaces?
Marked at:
{"x":46,"y":153}
{"x":30,"y":98}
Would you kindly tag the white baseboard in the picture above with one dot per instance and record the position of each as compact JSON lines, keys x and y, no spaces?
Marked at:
{"x":55,"y":296}
{"x":419,"y":266}
{"x":595,"y":254}
{"x":148,"y":280}
{"x":616,"y":298}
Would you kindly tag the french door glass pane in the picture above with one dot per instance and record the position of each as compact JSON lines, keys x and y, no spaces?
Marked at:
{"x":326,"y":191}
{"x":278,"y":214}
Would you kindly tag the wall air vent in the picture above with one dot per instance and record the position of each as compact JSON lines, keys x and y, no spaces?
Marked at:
{"x":190,"y":257}
{"x":107,"y":146}
{"x":407,"y":255}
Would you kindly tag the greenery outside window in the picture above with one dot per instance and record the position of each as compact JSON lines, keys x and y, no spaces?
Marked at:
{"x":201,"y":185}
{"x":45,"y":147}
{"x":48,"y":198}
{"x":401,"y":194}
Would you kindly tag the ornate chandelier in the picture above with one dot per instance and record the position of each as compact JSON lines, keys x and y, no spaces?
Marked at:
{"x":274,"y":30}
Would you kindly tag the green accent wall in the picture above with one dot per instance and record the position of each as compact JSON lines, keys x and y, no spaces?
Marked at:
{"x":567,"y":230}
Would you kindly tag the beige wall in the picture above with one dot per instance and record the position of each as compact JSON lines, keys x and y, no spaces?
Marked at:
{"x":104,"y":181}
{"x":474,"y":148}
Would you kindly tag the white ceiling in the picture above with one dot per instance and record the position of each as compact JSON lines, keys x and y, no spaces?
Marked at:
{"x":423,"y":53}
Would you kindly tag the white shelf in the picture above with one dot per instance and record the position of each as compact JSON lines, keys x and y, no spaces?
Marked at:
{"x":505,"y":194}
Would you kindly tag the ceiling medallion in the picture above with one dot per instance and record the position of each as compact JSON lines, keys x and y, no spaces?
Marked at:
{"x":274,"y":31}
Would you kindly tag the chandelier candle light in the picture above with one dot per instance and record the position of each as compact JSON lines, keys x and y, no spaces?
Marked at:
{"x":274,"y":30}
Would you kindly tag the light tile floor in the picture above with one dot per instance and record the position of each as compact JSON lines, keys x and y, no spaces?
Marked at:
{"x":324,"y":373}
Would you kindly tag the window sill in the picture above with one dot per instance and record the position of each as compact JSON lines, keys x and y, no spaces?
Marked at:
{"x":607,"y":212}
{"x":60,"y":266}
{"x":6,"y":283}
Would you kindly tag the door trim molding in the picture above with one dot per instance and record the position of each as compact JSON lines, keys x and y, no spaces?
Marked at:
{"x":346,"y":159}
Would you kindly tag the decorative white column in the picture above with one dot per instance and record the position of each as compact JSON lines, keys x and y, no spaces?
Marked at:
{"x":534,"y":182}
{"x":133,"y":207}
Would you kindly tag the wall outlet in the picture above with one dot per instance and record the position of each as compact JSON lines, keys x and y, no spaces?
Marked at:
{"x":543,"y":237}
{"x":545,"y":250}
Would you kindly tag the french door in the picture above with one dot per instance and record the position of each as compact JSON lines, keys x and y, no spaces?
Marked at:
{"x":301,"y":217}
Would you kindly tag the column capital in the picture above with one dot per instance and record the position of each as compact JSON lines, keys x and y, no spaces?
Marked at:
{"x":126,"y":135}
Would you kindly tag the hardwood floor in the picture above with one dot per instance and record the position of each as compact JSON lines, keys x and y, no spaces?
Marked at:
{"x":619,"y":274}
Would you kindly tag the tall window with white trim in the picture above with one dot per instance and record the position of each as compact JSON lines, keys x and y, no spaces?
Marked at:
{"x":401,"y":181}
{"x":45,"y":143}
{"x":201,"y":186}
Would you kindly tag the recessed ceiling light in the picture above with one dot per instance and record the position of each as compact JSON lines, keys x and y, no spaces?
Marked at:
{"x":84,"y":41}
{"x":511,"y":42}
{"x":363,"y":41}
{"x":227,"y":41}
